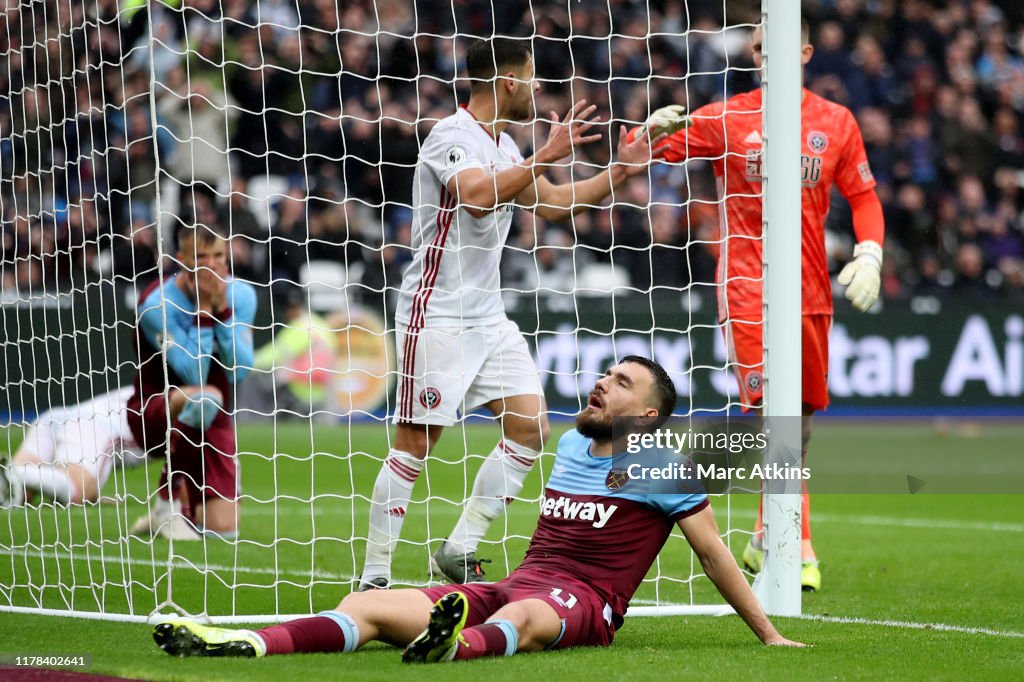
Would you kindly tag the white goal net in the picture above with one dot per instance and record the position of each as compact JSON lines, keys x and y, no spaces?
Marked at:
{"x":295,"y":126}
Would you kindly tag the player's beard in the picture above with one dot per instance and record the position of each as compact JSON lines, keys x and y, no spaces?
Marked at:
{"x":523,"y":111}
{"x":594,"y":425}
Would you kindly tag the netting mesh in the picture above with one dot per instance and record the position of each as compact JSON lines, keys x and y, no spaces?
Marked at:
{"x":296,"y":127}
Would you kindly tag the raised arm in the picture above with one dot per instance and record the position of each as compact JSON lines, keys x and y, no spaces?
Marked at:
{"x":187,"y":347}
{"x":480,"y":192}
{"x":701,"y":532}
{"x":559,"y":202}
{"x":233,"y":330}
{"x":697,"y":135}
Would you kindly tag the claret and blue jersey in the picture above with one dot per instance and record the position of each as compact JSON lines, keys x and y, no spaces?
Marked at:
{"x":199,"y":351}
{"x":600,"y":531}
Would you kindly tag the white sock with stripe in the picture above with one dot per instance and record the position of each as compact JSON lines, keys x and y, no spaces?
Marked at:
{"x":391,"y":495}
{"x":500,"y":478}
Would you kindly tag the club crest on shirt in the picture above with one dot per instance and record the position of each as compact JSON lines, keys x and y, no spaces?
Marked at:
{"x":430,"y":397}
{"x":754,"y":382}
{"x":616,"y":479}
{"x":817,"y":141}
{"x":454,"y":156}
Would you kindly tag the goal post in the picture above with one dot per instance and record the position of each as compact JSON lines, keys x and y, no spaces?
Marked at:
{"x":778,"y":585}
{"x":296,"y":129}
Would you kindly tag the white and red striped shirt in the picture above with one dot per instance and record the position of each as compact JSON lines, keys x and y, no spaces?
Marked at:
{"x":453,"y":280}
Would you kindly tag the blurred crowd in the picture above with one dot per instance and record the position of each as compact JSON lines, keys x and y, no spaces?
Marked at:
{"x":296,"y":125}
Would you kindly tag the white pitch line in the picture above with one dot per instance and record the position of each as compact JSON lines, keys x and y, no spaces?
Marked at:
{"x":940,"y":524}
{"x":936,"y":524}
{"x":906,"y":625}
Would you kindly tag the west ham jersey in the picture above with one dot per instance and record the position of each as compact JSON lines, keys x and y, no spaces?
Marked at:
{"x":453,"y":279}
{"x":596,"y":532}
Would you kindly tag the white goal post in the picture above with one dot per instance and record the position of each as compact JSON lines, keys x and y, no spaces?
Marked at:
{"x":295,"y":126}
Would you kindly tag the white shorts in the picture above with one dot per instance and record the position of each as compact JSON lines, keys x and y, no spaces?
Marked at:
{"x":82,"y":443}
{"x":445,"y":373}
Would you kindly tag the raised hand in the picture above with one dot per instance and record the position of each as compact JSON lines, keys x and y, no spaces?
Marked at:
{"x":634,"y":157}
{"x":212,"y":283}
{"x":666,"y":120}
{"x":568,"y":132}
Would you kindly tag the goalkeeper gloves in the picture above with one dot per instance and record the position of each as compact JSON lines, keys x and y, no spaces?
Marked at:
{"x":863,"y":275}
{"x":667,"y":120}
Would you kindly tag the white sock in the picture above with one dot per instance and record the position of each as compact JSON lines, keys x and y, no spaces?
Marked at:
{"x":500,"y":479}
{"x":52,"y":482}
{"x":391,"y":495}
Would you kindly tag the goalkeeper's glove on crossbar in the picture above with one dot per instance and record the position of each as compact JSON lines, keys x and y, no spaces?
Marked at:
{"x":863,"y":275}
{"x":667,"y":120}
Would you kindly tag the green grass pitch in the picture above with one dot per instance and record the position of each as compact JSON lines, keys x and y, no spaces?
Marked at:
{"x":887,"y":561}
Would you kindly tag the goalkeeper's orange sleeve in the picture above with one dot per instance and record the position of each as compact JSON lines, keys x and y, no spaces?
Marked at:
{"x":868,"y":220}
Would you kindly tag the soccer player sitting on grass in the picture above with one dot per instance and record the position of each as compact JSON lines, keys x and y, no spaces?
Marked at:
{"x":592,"y":547}
{"x":195,"y":344}
{"x":69,"y":452}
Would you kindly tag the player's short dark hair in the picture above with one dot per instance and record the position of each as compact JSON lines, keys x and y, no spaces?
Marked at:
{"x":200,"y":233}
{"x":487,"y":58}
{"x":664,"y":391}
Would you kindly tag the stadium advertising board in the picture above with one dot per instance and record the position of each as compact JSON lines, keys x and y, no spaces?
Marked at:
{"x":897,"y":359}
{"x":969,"y":357}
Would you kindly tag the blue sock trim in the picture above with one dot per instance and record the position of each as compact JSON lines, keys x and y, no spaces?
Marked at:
{"x":511,"y":635}
{"x":200,"y":410}
{"x":348,"y":628}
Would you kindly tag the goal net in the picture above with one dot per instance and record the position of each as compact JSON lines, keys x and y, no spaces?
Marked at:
{"x":295,"y":126}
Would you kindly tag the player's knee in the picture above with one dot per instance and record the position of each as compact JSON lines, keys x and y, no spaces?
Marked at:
{"x":544,"y":431}
{"x":515,"y":613}
{"x":356,"y":602}
{"x":416,"y":439}
{"x":530,"y":433}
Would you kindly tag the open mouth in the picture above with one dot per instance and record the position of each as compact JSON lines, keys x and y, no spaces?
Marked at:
{"x":594,"y":401}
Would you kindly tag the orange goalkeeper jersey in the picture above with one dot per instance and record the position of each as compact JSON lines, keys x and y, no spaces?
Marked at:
{"x":729,"y":134}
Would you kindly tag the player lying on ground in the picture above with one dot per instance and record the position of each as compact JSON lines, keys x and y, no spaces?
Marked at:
{"x":832,"y":153}
{"x":592,"y":547}
{"x":457,"y":349}
{"x":68,"y":453}
{"x":197,"y":326}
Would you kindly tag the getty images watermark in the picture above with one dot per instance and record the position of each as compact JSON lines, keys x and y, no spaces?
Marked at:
{"x":704,"y":453}
{"x":866,"y":455}
{"x":694,"y":448}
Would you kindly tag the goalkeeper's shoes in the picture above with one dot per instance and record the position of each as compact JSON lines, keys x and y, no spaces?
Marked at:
{"x":373,"y":584}
{"x":753,"y":558}
{"x":810,"y":576}
{"x":180,"y":637}
{"x":460,"y":569}
{"x":440,"y":641}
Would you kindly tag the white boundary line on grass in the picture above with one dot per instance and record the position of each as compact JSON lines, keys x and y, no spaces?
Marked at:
{"x":639,"y":609}
{"x":907,"y":625}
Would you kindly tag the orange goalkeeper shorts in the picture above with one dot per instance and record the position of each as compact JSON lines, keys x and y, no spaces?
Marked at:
{"x":746,"y":354}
